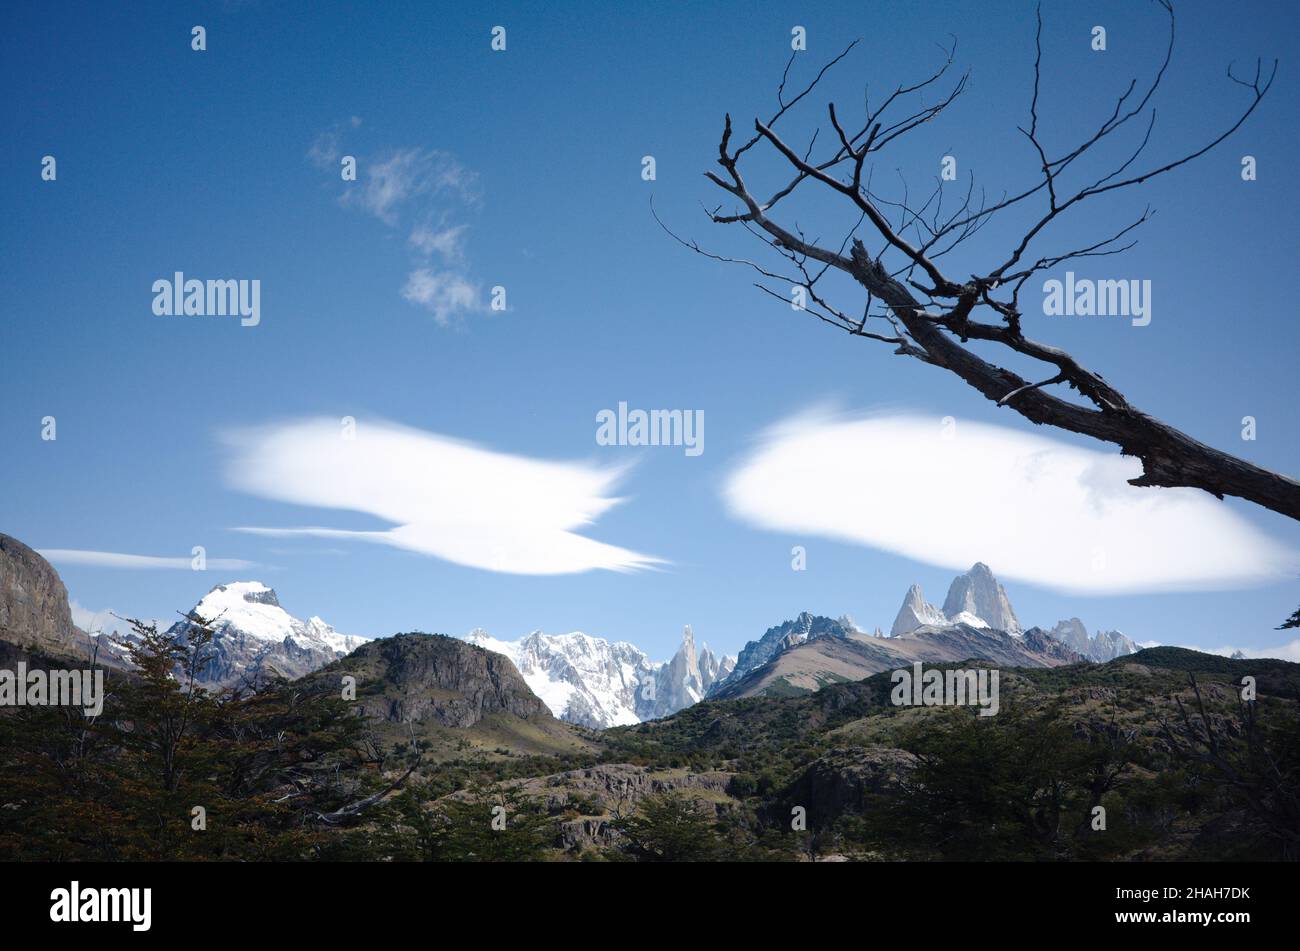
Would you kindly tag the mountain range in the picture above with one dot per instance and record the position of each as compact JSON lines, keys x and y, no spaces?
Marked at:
{"x":586,"y":680}
{"x":391,"y":745}
{"x":597,"y":683}
{"x":976,"y":621}
{"x":254,"y":636}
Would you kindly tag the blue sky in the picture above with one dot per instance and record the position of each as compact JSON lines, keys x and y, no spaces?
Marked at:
{"x":223,"y":164}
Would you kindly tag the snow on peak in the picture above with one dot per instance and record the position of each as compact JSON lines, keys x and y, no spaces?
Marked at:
{"x":600,"y":683}
{"x":253,"y":609}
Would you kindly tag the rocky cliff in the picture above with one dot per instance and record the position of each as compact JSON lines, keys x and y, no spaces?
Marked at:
{"x":34,"y":613}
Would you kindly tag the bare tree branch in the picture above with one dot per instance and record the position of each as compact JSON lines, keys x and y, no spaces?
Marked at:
{"x":933,"y":321}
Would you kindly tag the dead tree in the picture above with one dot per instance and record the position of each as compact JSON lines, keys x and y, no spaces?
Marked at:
{"x":925,"y":312}
{"x":1259,"y":767}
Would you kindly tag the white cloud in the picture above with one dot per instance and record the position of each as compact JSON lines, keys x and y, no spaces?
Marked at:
{"x":1289,"y":651}
{"x":324,"y":151}
{"x":1035,"y":509}
{"x":425,"y":186}
{"x":107,"y":620}
{"x":391,"y":182}
{"x":442,"y":293}
{"x":445,"y":241}
{"x":112,"y":559}
{"x":443,"y":497}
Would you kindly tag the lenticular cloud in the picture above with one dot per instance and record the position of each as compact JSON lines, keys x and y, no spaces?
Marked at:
{"x":441,"y":496}
{"x":1039,"y":510}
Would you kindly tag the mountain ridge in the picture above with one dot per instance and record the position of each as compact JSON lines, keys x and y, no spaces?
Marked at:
{"x":598,"y":683}
{"x":811,"y":651}
{"x":253,"y":635}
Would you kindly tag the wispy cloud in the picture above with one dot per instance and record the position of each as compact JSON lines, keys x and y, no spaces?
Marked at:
{"x":1289,"y":651}
{"x":1036,"y":509}
{"x":113,"y":559}
{"x":442,"y":293}
{"x":422,"y":190}
{"x":442,"y":497}
{"x":391,"y":183}
{"x":325,"y":150}
{"x":106,"y":620}
{"x":445,"y":241}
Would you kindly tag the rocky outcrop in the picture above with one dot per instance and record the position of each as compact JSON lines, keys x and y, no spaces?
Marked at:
{"x":34,"y":612}
{"x":613,"y":789}
{"x":430,"y":678}
{"x":844,"y":780}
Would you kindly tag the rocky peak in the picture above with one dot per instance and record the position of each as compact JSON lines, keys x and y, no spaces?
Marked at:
{"x":980,"y":594}
{"x":1099,"y":647}
{"x":680,"y":682}
{"x":431,"y":678}
{"x":254,"y":636}
{"x":776,"y":640}
{"x":915,"y":612}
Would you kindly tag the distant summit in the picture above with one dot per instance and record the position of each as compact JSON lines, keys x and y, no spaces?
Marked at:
{"x":979,"y":594}
{"x":915,"y":612}
{"x":598,"y":683}
{"x":254,"y":636}
{"x":975,"y":598}
{"x":976,"y":621}
{"x":1099,"y":647}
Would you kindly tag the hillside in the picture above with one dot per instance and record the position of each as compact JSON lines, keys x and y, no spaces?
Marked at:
{"x":815,"y":663}
{"x":455,"y":699}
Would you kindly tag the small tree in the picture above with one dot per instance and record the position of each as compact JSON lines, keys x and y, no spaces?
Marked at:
{"x":670,"y":827}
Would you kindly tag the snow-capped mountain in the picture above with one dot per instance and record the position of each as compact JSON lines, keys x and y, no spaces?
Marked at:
{"x":253,"y":635}
{"x":1100,"y":647}
{"x":915,"y":612}
{"x":976,"y":616}
{"x":597,"y":683}
{"x":776,"y":640}
{"x":979,"y":594}
{"x":975,"y":598}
